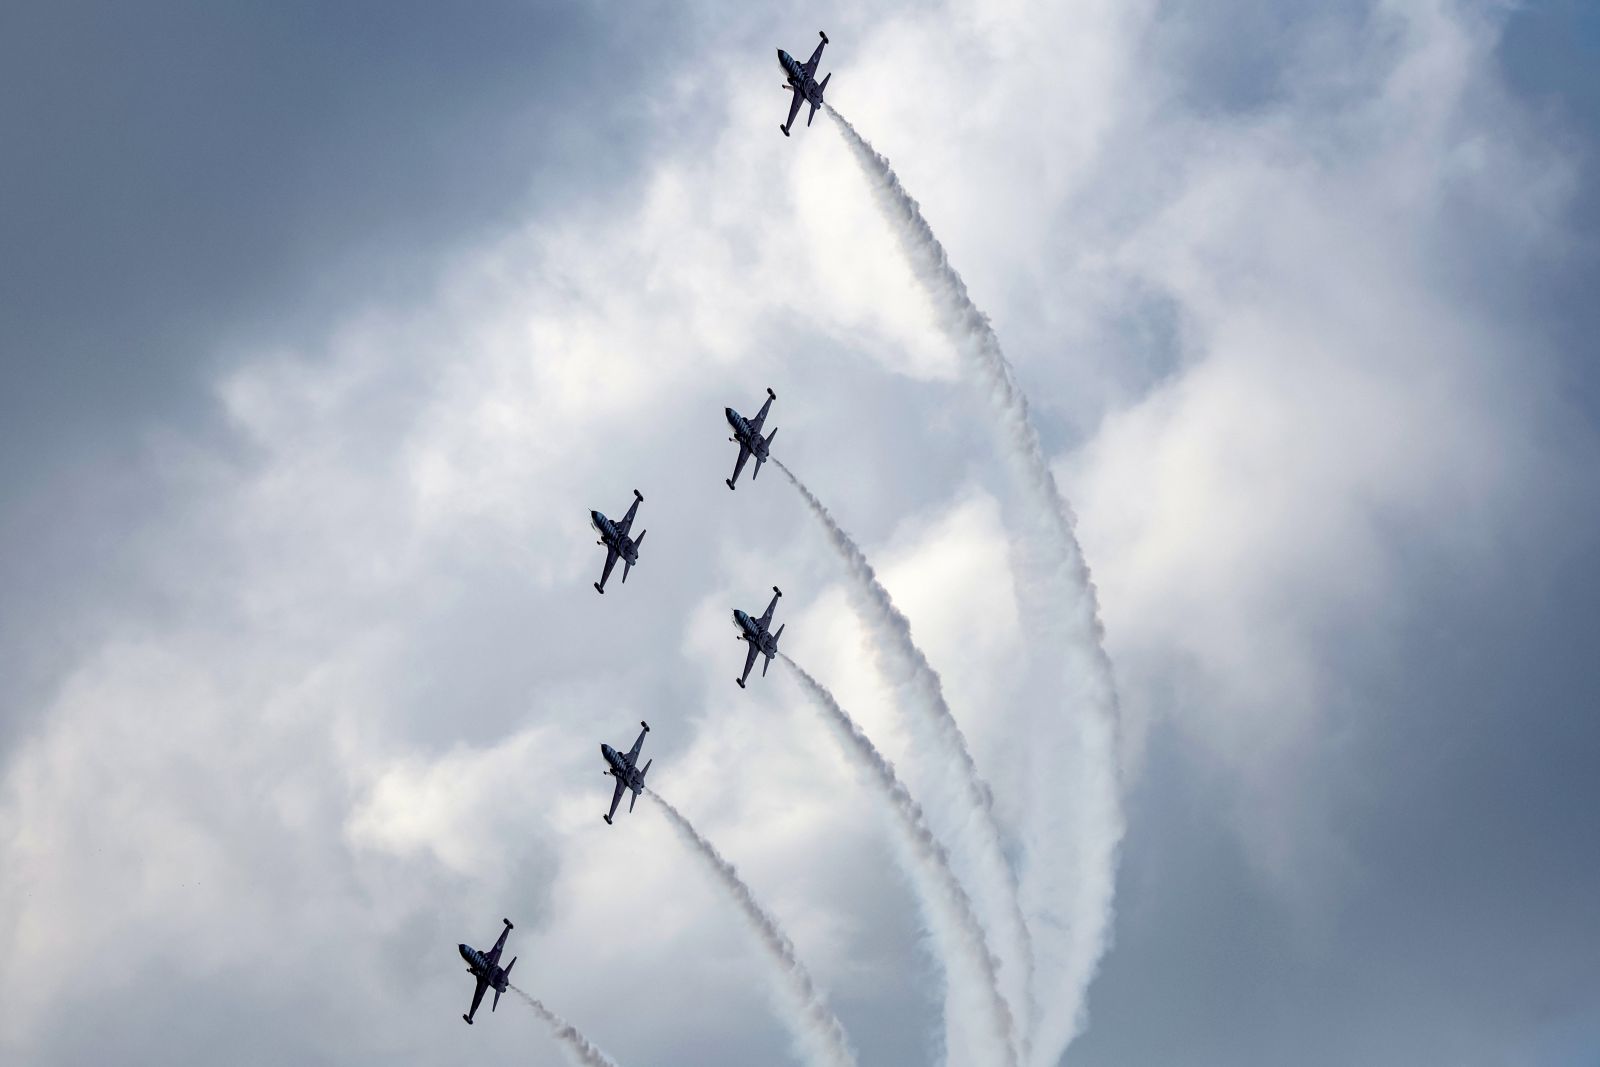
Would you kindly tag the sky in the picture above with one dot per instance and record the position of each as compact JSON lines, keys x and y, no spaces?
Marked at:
{"x":322,"y":328}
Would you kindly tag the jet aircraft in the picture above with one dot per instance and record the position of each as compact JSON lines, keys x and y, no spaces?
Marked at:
{"x":748,"y":433}
{"x":803,"y":82}
{"x":485,"y":967}
{"x":761,"y":639}
{"x":625,"y":769}
{"x":614,"y":536}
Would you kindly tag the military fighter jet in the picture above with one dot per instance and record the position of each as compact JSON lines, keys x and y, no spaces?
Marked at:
{"x":756,"y":633}
{"x":803,"y":82}
{"x":614,"y":536}
{"x":624,"y":768}
{"x":485,"y":967}
{"x":748,"y":433}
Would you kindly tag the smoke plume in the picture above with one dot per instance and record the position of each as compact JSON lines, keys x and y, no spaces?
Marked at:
{"x":970,"y":968}
{"x":577,"y":1047}
{"x":1071,"y":848}
{"x":817,"y":1032}
{"x":969,"y":818}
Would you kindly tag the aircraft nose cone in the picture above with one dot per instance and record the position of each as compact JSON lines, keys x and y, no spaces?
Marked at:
{"x":462,"y":948}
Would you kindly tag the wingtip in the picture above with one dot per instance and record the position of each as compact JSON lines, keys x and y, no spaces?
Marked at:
{"x":771,"y":394}
{"x":728,"y":482}
{"x":598,"y":588}
{"x":638,"y":495}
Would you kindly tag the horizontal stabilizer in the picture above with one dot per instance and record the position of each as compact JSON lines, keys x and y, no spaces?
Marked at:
{"x":822,"y":89}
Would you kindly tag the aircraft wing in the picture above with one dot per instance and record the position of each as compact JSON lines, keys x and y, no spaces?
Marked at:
{"x":494,"y":953}
{"x":611,"y":561}
{"x":766,"y":616}
{"x":616,"y":798}
{"x":756,"y":423}
{"x":627,"y":520}
{"x":477,"y":998}
{"x":633,"y":753}
{"x":794,"y":109}
{"x":749,"y":662}
{"x":738,"y":464}
{"x":816,"y":57}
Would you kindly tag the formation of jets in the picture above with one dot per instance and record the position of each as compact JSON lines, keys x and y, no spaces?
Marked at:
{"x":617,"y":539}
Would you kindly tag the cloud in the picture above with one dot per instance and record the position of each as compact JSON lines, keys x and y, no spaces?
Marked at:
{"x":308,"y":694}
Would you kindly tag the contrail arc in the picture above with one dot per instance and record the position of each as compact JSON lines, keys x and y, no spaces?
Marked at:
{"x":578,"y":1048}
{"x":970,"y":967}
{"x":1069,"y":881}
{"x":817,"y":1032}
{"x":973,"y":825}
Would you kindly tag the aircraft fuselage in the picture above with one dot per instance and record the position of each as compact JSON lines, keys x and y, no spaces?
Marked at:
{"x":479,"y":965}
{"x":614,"y":538}
{"x":744,"y":434}
{"x":799,"y":79}
{"x":752,"y":632}
{"x":619,"y":765}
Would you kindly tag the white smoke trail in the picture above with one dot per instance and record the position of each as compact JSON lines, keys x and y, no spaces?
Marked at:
{"x":817,"y":1032}
{"x":972,"y":823}
{"x":970,"y":968}
{"x":578,"y":1047}
{"x":1069,"y":879}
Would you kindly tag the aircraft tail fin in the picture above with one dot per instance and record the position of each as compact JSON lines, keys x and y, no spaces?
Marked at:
{"x":759,"y":461}
{"x":510,"y":965}
{"x":822,"y":90}
{"x":496,"y":1002}
{"x":626,"y":567}
{"x":813,"y":112}
{"x":642,"y":772}
{"x":637,"y":541}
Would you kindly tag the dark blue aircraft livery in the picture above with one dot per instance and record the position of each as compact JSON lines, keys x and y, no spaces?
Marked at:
{"x":748,"y":433}
{"x":618,"y":545}
{"x":803,"y":82}
{"x":624,"y":767}
{"x":485,"y":967}
{"x":761,"y":639}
